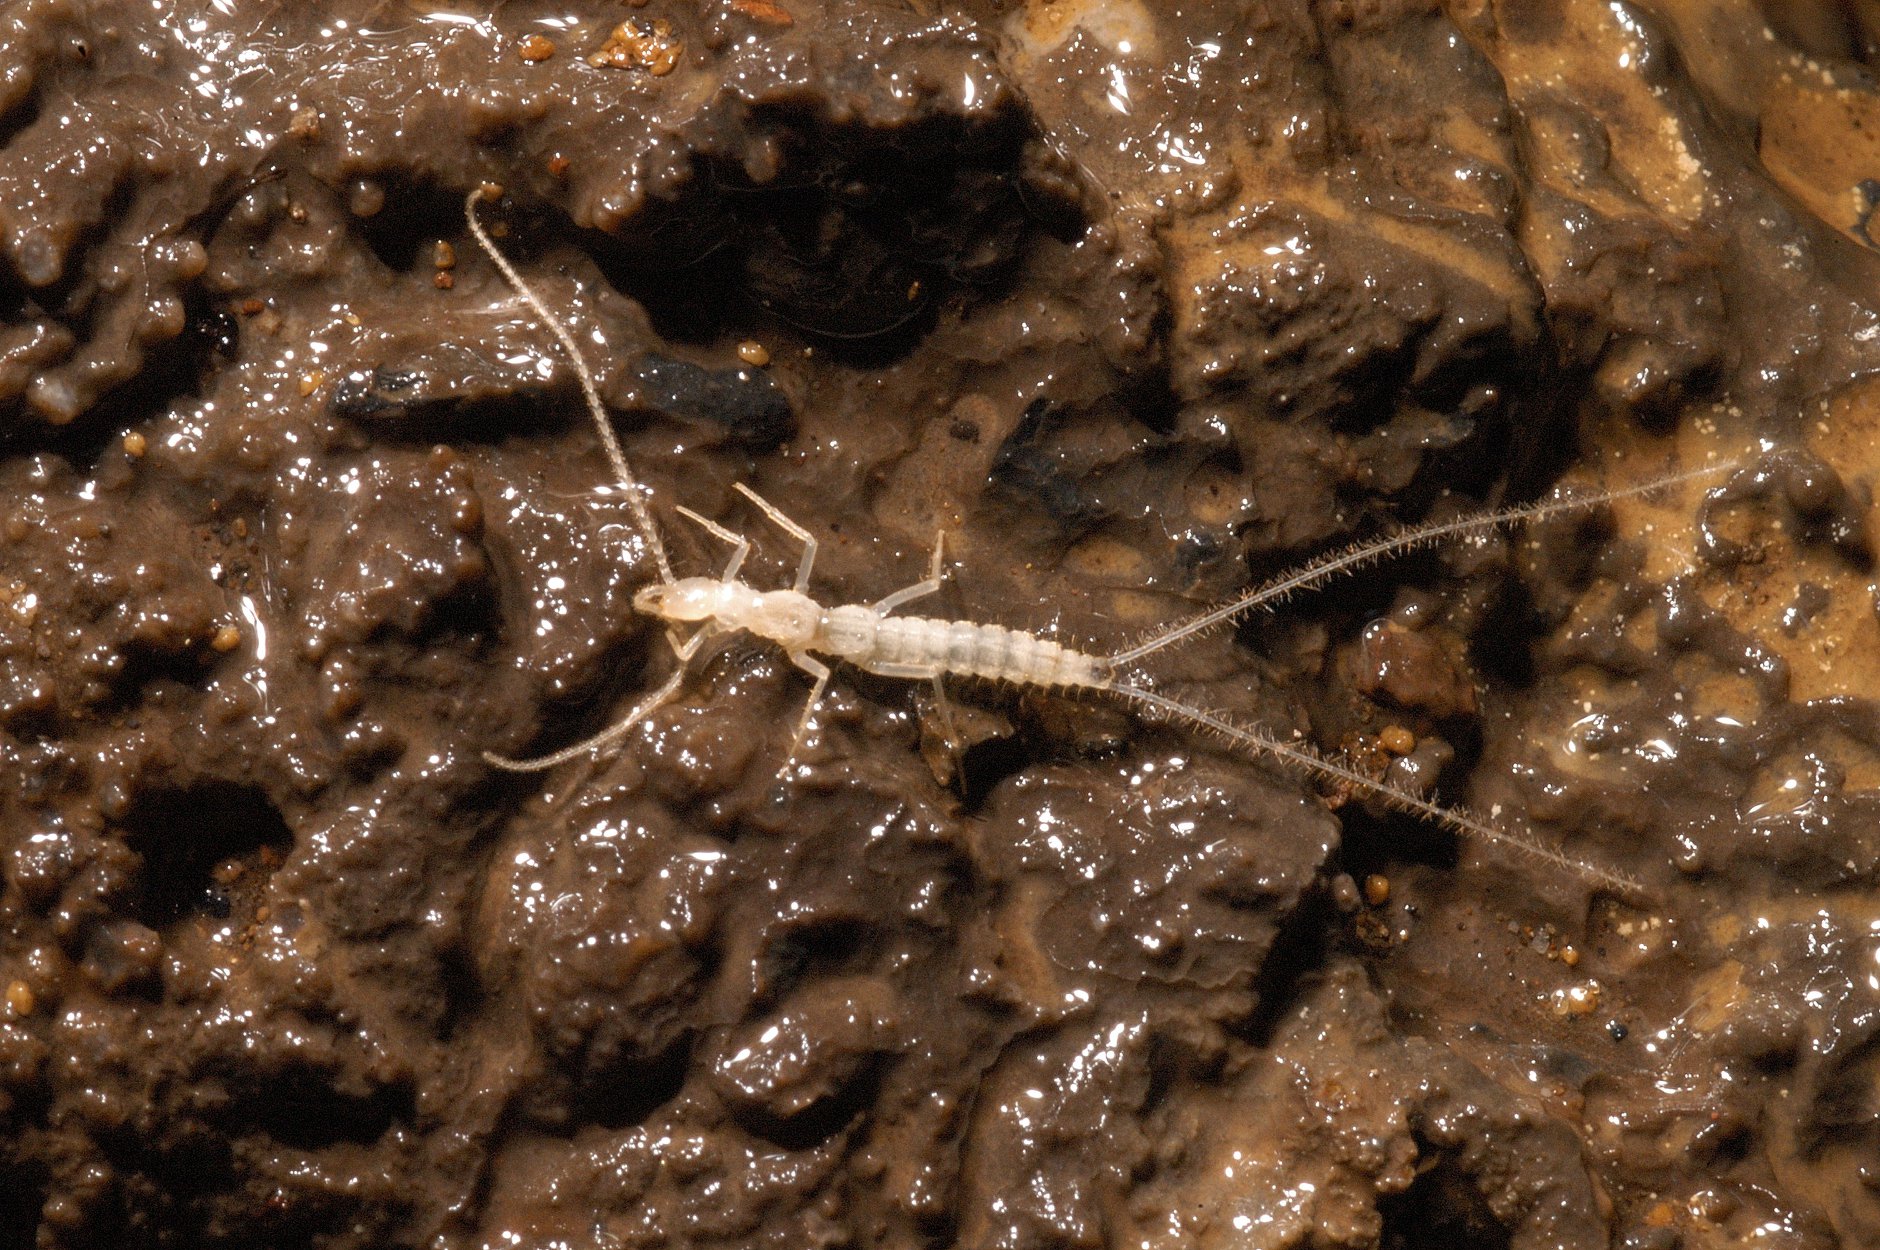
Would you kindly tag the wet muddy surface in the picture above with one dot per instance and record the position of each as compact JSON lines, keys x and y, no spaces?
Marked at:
{"x":301,"y":514}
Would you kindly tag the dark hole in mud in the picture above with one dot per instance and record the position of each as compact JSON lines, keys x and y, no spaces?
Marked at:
{"x":144,"y":671}
{"x":199,"y":844}
{"x":302,"y":1109}
{"x":1442,"y":1210}
{"x":820,"y":949}
{"x":1296,"y":957}
{"x":24,"y":112}
{"x":1503,"y":648}
{"x":470,"y":613}
{"x":824,"y":1118}
{"x":985,"y":764}
{"x":22,"y":1194}
{"x":856,"y":241}
{"x":626,"y":1095}
{"x":462,"y":990}
{"x":414,"y":217}
{"x":167,"y":1182}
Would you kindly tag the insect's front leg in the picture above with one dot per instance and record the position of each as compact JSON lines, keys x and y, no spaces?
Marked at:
{"x":789,"y":527}
{"x":740,"y":545}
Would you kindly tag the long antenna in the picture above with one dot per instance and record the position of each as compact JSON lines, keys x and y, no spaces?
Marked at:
{"x":1360,"y":555}
{"x":636,"y":498}
{"x":1457,"y":820}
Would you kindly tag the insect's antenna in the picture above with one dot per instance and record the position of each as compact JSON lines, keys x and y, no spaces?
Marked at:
{"x":636,"y":498}
{"x":1317,"y":572}
{"x":1457,"y":820}
{"x":613,"y":733}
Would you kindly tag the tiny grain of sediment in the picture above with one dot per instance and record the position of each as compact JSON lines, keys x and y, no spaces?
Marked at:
{"x":1140,"y":306}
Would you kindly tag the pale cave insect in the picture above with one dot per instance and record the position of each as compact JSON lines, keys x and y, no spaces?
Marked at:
{"x":871,"y":638}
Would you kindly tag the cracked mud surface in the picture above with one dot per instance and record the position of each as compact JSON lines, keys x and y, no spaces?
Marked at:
{"x":300,"y":514}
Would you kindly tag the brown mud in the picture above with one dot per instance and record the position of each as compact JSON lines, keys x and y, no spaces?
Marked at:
{"x":300,"y":514}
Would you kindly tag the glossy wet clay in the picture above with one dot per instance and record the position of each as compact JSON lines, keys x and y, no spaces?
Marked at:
{"x":306,"y":532}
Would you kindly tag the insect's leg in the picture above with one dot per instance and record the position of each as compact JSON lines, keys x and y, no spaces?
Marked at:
{"x":943,"y":706}
{"x":789,"y":527}
{"x":608,"y":735}
{"x":912,"y":672}
{"x":919,"y":590}
{"x":740,"y":545}
{"x":688,"y":648}
{"x":820,"y":671}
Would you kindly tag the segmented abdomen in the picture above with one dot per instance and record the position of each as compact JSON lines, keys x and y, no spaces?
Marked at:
{"x":964,"y":649}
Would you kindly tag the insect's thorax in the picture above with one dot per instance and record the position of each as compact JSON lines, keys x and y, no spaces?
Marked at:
{"x":788,"y":618}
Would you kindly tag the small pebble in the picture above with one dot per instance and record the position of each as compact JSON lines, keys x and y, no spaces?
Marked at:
{"x":764,"y":11}
{"x":1577,"y":1000}
{"x":443,"y":255}
{"x":635,"y":45}
{"x":536,"y":48}
{"x":251,"y":306}
{"x":558,"y":165}
{"x":1397,"y":740}
{"x":226,"y":638}
{"x":751,"y":352}
{"x":1569,"y":956}
{"x":443,"y":281}
{"x":312,"y":380}
{"x":20,"y":999}
{"x":1377,"y":889}
{"x":135,"y":445}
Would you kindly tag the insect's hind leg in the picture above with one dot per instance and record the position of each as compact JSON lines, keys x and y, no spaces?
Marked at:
{"x":921,"y":589}
{"x":789,"y":527}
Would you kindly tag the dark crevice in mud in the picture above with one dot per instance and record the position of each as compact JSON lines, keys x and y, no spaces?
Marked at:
{"x":172,"y":374}
{"x":823,"y":1119}
{"x":805,"y":952}
{"x":1441,"y":1210}
{"x":1030,"y":471}
{"x":984,"y":765}
{"x":1502,"y":647}
{"x":1376,"y":840}
{"x":15,"y":121}
{"x":195,"y":841}
{"x":1290,"y":968}
{"x":461,"y":988}
{"x":407,"y":406}
{"x":1149,"y":397}
{"x":468,"y":616}
{"x":744,"y":402}
{"x":627,"y":1095}
{"x":148,"y":671}
{"x":302,"y":1108}
{"x":414,"y":217}
{"x":22,"y":1195}
{"x":857,"y":244}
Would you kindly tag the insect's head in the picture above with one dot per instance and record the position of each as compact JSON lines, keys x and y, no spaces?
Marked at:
{"x":688,"y":599}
